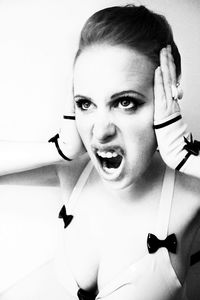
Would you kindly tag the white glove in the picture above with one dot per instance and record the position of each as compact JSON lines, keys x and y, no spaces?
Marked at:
{"x":175,"y":144}
{"x":68,"y":141}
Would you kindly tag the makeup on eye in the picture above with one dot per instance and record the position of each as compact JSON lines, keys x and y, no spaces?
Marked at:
{"x":124,"y":101}
{"x":127,"y":103}
{"x":83,"y":104}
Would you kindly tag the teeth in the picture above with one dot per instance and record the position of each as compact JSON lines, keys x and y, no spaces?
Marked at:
{"x":114,"y":154}
{"x":109,"y":170}
{"x":108,"y":154}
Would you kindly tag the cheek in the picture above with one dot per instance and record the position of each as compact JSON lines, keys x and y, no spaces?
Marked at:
{"x":140,"y":136}
{"x":139,"y":133}
{"x":83,"y":127}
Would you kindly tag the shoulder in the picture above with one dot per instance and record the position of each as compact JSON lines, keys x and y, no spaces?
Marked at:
{"x":189,"y":185}
{"x":187,"y":191}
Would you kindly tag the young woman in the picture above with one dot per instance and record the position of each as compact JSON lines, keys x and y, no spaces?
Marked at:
{"x":127,"y":221}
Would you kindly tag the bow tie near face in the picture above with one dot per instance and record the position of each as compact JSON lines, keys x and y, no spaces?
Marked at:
{"x":153,"y":243}
{"x":66,"y":218}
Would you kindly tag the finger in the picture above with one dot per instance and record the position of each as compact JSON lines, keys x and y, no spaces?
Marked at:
{"x":159,"y":86}
{"x":159,"y":94}
{"x":166,"y":75}
{"x":172,"y":67}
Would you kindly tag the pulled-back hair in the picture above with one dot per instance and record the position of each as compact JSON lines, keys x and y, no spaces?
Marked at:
{"x":133,"y":26}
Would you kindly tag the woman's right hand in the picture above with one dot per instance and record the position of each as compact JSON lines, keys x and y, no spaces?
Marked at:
{"x":69,"y":141}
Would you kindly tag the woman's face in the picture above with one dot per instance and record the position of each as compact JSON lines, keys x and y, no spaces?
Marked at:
{"x":113,"y":91}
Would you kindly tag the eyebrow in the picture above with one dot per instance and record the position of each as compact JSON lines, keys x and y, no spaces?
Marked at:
{"x":114,"y":96}
{"x":84,"y":97}
{"x":126,"y":92}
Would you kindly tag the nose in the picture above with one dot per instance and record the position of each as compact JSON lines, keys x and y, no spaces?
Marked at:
{"x":104,"y":129}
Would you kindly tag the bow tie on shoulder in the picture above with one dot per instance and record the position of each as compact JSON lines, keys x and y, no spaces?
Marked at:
{"x":66,"y":218}
{"x":153,"y":243}
{"x":85,"y":295}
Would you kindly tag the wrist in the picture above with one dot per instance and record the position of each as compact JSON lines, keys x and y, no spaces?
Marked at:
{"x":55,"y":140}
{"x":160,"y":123}
{"x":170,"y":133}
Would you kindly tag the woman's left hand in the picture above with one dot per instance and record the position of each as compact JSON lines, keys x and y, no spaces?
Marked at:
{"x":169,"y":127}
{"x":166,"y":92}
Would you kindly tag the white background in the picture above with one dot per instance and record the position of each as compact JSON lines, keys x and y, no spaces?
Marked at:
{"x":38,"y":40}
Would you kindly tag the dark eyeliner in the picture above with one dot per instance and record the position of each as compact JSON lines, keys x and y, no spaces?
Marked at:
{"x":132,"y":100}
{"x":81,"y":101}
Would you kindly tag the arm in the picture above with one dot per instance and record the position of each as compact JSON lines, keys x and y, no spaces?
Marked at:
{"x":176,"y":146}
{"x":22,"y":156}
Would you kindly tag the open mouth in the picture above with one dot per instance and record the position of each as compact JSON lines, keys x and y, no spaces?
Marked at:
{"x":110,"y":160}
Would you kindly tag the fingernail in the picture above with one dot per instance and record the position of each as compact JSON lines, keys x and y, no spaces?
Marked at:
{"x":158,"y":69}
{"x":169,"y":48}
{"x":164,"y":50}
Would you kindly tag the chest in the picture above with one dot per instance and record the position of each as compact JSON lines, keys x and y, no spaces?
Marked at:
{"x":105,"y":236}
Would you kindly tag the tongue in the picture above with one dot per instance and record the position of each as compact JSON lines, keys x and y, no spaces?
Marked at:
{"x":113,"y":162}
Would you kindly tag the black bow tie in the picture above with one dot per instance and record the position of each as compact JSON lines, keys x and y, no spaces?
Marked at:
{"x":153,"y":243}
{"x":85,"y":295}
{"x":191,"y":146}
{"x":66,"y":218}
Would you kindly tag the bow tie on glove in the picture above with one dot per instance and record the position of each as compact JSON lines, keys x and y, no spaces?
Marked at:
{"x":193,"y":147}
{"x":66,"y":218}
{"x":153,"y":243}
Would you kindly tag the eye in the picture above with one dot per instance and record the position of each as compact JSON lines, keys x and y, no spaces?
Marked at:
{"x":127,"y":103}
{"x":84,"y":104}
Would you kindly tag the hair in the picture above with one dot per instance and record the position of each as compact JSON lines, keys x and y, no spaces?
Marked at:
{"x":135,"y":27}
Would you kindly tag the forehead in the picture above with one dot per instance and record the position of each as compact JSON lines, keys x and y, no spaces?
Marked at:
{"x":104,"y":69}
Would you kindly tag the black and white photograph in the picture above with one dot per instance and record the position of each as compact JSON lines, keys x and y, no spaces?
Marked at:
{"x":99,"y":150}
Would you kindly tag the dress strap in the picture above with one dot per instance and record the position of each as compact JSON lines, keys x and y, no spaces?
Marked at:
{"x":165,"y":204}
{"x":79,"y":186}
